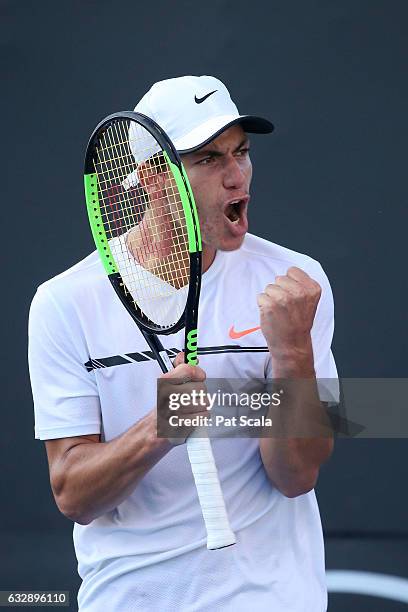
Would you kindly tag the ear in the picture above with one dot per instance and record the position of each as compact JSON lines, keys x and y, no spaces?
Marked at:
{"x":150,"y":179}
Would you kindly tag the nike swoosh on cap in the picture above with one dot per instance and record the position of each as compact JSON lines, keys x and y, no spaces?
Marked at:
{"x":200,"y":100}
{"x":235,"y":335}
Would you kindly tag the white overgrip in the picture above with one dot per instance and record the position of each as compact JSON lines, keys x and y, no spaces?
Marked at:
{"x":219,"y":532}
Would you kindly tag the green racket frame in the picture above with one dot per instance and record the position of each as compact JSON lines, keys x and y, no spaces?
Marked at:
{"x":189,"y":316}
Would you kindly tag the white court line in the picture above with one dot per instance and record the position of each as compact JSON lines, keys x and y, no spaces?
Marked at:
{"x":368,"y":583}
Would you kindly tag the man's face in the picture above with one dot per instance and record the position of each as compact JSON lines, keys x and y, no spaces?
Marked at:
{"x":220,"y":175}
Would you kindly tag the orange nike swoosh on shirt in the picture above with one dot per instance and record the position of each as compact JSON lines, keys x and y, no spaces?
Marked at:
{"x":235,"y":335}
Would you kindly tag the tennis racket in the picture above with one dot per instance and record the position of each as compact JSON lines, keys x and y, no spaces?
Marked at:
{"x":145,"y":226}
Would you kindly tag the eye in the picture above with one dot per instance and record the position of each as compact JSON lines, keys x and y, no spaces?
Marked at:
{"x":243,"y":152}
{"x":206,"y":160}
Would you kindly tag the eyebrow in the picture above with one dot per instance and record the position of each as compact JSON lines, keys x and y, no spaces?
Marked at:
{"x":215,"y":153}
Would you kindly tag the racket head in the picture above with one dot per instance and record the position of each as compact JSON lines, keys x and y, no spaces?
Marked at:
{"x":145,"y":224}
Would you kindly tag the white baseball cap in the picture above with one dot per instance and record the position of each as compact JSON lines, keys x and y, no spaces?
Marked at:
{"x":192,"y":110}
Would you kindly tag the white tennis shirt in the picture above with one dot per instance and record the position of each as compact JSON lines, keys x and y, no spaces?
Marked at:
{"x":92,"y":373}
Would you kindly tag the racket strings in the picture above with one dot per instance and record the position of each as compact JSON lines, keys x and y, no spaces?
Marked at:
{"x":143,"y":217}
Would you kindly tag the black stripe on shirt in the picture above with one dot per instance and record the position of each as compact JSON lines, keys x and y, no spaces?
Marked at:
{"x":107,"y":362}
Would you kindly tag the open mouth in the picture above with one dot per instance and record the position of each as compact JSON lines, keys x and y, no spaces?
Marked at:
{"x":234,"y":210}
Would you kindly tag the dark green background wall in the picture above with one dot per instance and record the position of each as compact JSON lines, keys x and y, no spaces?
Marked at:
{"x":330,"y":181}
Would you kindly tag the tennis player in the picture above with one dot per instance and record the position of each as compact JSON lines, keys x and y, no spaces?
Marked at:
{"x":265,"y":311}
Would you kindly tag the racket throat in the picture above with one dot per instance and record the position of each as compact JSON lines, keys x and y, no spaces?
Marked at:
{"x":165,"y":361}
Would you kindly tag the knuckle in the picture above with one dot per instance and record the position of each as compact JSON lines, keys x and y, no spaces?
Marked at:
{"x":183,"y":370}
{"x":190,"y":371}
{"x":279,"y":301}
{"x":199,"y":373}
{"x":315,"y":291}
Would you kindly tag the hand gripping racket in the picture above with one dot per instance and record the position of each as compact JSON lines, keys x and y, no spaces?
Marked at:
{"x":145,"y":226}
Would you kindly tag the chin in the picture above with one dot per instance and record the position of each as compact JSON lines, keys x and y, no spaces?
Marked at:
{"x":231,"y":244}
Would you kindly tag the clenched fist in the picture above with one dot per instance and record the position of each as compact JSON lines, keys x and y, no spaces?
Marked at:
{"x":287,"y":308}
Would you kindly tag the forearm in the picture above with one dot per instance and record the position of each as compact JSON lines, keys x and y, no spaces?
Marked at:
{"x":300,"y":440}
{"x":96,"y":477}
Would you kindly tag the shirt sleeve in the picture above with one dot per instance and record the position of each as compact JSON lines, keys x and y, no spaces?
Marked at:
{"x":66,"y":400}
{"x":322,"y":336}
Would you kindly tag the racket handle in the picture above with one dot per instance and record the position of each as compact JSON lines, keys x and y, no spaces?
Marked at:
{"x":219,"y":532}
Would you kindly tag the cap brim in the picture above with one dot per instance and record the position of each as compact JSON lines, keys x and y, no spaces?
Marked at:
{"x":206,"y":132}
{"x":250,"y":124}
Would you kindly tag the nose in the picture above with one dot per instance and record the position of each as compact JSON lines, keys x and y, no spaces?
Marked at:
{"x":234,"y":177}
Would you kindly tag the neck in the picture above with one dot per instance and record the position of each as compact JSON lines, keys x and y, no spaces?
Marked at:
{"x":208,"y":257}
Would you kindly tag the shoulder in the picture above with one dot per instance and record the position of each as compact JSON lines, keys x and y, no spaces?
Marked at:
{"x":82,"y":272}
{"x":85,"y":273}
{"x":279,"y":259}
{"x":72,"y":286}
{"x":267,"y":259}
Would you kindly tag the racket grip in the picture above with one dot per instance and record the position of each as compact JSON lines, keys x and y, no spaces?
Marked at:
{"x":219,"y":532}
